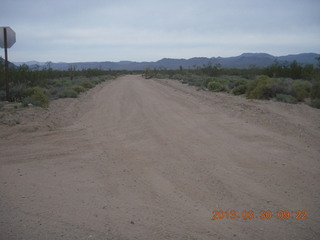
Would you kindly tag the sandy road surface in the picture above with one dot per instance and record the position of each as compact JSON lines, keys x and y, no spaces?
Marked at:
{"x":151,"y":159}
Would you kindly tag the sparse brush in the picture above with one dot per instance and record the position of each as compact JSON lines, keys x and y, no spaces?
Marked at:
{"x":315,"y":103}
{"x":87,"y":84}
{"x":217,"y":84}
{"x":315,"y":91}
{"x":262,"y":87}
{"x":78,"y":89}
{"x":37,"y":97}
{"x":241,"y":89}
{"x":216,"y":87}
{"x":286,"y":98}
{"x":301,"y":90}
{"x":68,"y":93}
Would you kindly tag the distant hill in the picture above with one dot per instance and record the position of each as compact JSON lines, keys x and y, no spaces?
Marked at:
{"x":245,"y":60}
{"x":10,"y":64}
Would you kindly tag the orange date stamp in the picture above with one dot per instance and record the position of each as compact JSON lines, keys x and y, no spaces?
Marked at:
{"x":267,"y":214}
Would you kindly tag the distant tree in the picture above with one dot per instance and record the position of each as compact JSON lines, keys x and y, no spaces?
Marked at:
{"x":318,"y":59}
{"x":308,"y":71}
{"x":295,"y":70}
{"x":71,"y":70}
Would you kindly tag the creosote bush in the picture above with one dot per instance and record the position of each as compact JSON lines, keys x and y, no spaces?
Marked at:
{"x":68,"y":93}
{"x":301,"y":90}
{"x":217,"y":84}
{"x":261,"y":88}
{"x":36,"y":96}
{"x":286,"y":98}
{"x":241,"y":89}
{"x":87,"y":84}
{"x":78,"y":89}
{"x":216,"y":87}
{"x":315,"y":91}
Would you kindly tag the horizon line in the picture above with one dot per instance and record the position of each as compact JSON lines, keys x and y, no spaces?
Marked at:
{"x":95,"y":61}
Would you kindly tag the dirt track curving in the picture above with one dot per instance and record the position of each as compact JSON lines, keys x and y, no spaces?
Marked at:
{"x":151,"y":159}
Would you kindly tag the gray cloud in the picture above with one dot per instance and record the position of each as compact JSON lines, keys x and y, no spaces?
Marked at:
{"x":97,"y":30}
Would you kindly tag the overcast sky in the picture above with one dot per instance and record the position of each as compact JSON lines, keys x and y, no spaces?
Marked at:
{"x":148,"y":30}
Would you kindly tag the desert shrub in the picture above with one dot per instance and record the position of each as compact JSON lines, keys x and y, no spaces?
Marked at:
{"x":162,"y":75}
{"x":261,"y":88}
{"x":98,"y":80}
{"x":177,"y":76}
{"x":18,"y":92}
{"x":36,"y":96}
{"x":68,"y":93}
{"x":315,"y":103}
{"x":301,"y":90}
{"x":315,"y":91}
{"x":78,"y":88}
{"x":283,"y":86}
{"x":206,"y":82}
{"x":216,"y":84}
{"x":66,"y":82}
{"x":149,"y":73}
{"x":53,"y":91}
{"x":241,"y":89}
{"x":2,"y":95}
{"x":217,"y":80}
{"x":194,"y":80}
{"x":237,"y":82}
{"x":87,"y":84}
{"x":216,"y":87}
{"x":286,"y":98}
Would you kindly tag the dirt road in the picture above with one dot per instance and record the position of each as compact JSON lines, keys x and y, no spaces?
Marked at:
{"x":151,"y":159}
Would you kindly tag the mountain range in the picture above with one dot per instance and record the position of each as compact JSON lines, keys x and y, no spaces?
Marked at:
{"x":245,"y":60}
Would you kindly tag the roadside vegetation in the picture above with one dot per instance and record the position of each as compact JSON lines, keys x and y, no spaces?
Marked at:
{"x":38,"y":87}
{"x":289,"y":83}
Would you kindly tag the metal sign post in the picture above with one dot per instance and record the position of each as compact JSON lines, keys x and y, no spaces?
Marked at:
{"x":7,"y":39}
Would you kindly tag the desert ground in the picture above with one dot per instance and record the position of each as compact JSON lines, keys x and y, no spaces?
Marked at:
{"x":139,"y":158}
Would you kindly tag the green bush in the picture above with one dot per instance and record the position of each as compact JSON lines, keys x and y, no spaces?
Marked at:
{"x":66,"y":82}
{"x":241,"y":89}
{"x":286,"y":98}
{"x":301,"y":90}
{"x":261,"y":88}
{"x":233,"y":83}
{"x":217,"y":80}
{"x":37,"y":97}
{"x":68,"y":93}
{"x":216,"y":87}
{"x":175,"y":76}
{"x":78,"y":89}
{"x":315,"y":103}
{"x":18,"y":92}
{"x":216,"y":84}
{"x":98,"y":80}
{"x":87,"y":84}
{"x":315,"y":91}
{"x":283,"y":86}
